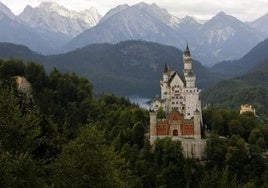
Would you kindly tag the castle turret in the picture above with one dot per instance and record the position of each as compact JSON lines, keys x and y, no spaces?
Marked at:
{"x":165,"y":74}
{"x":187,"y":60}
{"x":188,"y":71}
{"x":164,"y":83}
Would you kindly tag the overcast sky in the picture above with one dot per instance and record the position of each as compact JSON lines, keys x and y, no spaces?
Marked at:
{"x":245,"y":10}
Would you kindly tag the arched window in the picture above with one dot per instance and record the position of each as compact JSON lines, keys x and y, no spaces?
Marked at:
{"x":175,"y":132}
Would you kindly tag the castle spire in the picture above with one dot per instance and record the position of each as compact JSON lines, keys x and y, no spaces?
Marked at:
{"x":187,"y":51}
{"x":166,"y":68}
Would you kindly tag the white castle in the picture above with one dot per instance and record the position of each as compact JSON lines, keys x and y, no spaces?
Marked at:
{"x":180,"y":99}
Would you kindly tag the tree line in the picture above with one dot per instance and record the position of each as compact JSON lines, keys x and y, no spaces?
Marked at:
{"x":65,"y":136}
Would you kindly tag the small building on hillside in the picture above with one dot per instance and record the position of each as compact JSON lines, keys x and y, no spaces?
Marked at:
{"x":247,"y":108}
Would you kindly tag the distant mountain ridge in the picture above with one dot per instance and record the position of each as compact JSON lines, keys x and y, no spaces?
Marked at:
{"x":247,"y":63}
{"x":4,"y":9}
{"x":52,"y":29}
{"x":44,"y":29}
{"x":220,"y":38}
{"x":138,"y":22}
{"x":51,"y":16}
{"x":127,"y":68}
{"x":260,"y":24}
{"x":13,"y":31}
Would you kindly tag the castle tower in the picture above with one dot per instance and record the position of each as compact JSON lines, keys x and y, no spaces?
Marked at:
{"x":188,"y":71}
{"x":190,"y":90}
{"x":164,"y":83}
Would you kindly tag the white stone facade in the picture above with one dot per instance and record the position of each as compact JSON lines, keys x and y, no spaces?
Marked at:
{"x":179,"y":92}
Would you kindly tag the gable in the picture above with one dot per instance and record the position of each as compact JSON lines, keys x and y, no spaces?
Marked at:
{"x":176,"y":81}
{"x":175,"y":116}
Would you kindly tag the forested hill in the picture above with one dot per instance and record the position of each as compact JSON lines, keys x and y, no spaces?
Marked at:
{"x":251,"y":88}
{"x":60,"y":135}
{"x":126,"y":68}
{"x":244,"y":65}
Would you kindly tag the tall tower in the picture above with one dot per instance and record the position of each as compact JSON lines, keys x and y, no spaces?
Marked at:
{"x":191,"y":92}
{"x":188,"y":71}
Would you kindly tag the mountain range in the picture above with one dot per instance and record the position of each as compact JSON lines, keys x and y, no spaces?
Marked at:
{"x":46,"y":28}
{"x":14,"y":31}
{"x":127,"y":68}
{"x":220,"y":38}
{"x":248,"y":63}
{"x":56,"y":18}
{"x":261,"y":25}
{"x":51,"y":28}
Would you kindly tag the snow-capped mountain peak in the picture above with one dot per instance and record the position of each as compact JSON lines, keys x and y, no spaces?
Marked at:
{"x":52,"y":16}
{"x":4,"y":9}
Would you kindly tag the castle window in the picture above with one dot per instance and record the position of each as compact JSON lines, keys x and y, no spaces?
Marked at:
{"x":175,"y":132}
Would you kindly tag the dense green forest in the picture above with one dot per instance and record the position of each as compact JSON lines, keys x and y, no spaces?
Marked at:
{"x":63,"y":136}
{"x":251,"y":89}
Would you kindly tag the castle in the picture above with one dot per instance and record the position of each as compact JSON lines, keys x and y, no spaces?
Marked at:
{"x":180,"y":100}
{"x":247,"y":108}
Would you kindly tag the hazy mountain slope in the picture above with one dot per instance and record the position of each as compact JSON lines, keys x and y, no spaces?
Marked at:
{"x":4,"y":9}
{"x":9,"y":50}
{"x":56,"y":18}
{"x":127,"y":68}
{"x":38,"y":40}
{"x":113,"y":12}
{"x":261,"y":25}
{"x":239,"y":67}
{"x":134,"y":23}
{"x":220,"y":38}
{"x":225,"y":37}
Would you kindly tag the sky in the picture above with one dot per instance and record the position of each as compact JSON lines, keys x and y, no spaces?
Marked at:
{"x":245,"y":10}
